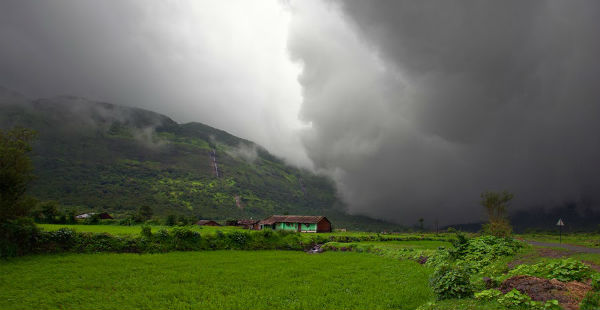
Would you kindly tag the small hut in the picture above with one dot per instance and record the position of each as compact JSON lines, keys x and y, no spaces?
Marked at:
{"x":248,"y":224}
{"x":207,"y":223}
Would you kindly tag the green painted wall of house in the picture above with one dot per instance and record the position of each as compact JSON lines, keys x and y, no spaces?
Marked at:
{"x":308,"y":227}
{"x":287,"y":226}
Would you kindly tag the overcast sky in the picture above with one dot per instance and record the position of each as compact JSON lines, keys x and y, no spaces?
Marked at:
{"x":413,"y":107}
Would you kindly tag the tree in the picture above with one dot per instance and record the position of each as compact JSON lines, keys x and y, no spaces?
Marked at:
{"x":145,"y":213}
{"x":171,"y":220}
{"x":496,"y":205}
{"x":421,"y":220}
{"x":16,"y":172}
{"x":49,"y":210}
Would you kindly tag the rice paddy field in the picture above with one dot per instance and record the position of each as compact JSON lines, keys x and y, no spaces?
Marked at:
{"x":213,"y":280}
{"x":358,"y":270}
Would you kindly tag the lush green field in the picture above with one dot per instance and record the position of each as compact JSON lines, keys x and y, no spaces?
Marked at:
{"x":213,"y":280}
{"x":583,"y":239}
{"x":130,"y":230}
{"x":422,"y":245}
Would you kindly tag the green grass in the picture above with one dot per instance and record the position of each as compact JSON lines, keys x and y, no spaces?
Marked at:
{"x":588,"y":257}
{"x":420,"y":245}
{"x":461,"y":304}
{"x":583,"y":239}
{"x":213,"y":280}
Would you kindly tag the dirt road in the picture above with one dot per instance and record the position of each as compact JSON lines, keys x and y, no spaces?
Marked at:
{"x":574,"y":248}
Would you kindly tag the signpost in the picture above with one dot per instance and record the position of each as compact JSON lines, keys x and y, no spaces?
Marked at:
{"x":560,"y":224}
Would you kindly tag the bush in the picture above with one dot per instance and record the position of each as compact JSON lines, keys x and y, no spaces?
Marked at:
{"x":488,"y":295}
{"x":146,"y":231}
{"x":451,"y":281}
{"x":596,"y":282}
{"x":515,"y":299}
{"x":185,"y":239}
{"x":163,"y":235}
{"x":64,"y":238}
{"x":239,"y":239}
{"x":476,"y":252}
{"x":18,"y":237}
{"x":564,"y":270}
{"x":568,"y":270}
{"x":171,"y":220}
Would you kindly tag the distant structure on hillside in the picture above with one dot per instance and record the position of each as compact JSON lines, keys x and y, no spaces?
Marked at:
{"x":102,"y":216}
{"x":300,"y":223}
{"x":207,"y":223}
{"x":247,"y":224}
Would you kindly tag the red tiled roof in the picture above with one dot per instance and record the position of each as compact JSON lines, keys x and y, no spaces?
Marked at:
{"x":204,"y":222}
{"x":292,"y":219}
{"x":247,"y":222}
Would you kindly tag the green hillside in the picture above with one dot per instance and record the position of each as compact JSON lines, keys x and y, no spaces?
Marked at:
{"x":93,"y":156}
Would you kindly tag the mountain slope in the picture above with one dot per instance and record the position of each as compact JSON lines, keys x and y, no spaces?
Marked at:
{"x":104,"y":157}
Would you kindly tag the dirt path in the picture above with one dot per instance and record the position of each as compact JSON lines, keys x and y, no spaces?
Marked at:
{"x":574,"y":248}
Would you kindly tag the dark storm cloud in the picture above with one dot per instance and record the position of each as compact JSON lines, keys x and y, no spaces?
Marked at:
{"x":223,"y":63}
{"x":419,"y":106}
{"x":415,"y":107}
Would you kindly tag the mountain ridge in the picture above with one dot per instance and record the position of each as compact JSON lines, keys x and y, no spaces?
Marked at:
{"x":98,"y":156}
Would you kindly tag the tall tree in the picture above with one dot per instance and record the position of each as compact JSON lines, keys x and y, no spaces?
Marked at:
{"x":496,"y":205}
{"x":16,"y":172}
{"x":145,"y":213}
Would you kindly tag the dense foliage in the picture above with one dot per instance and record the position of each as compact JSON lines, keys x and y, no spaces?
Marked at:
{"x":476,"y":253}
{"x":455,"y":266}
{"x":16,"y":172}
{"x":451,"y":281}
{"x":163,"y":240}
{"x":564,"y":270}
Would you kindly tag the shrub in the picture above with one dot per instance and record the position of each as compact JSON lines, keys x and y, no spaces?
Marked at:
{"x":491,"y":294}
{"x":562,"y":270}
{"x":171,"y":220}
{"x":17,"y":237}
{"x":515,"y":299}
{"x":185,"y":239}
{"x":476,"y":252}
{"x":64,"y":238}
{"x":568,"y":270}
{"x":596,"y":282}
{"x":146,"y":231}
{"x":451,"y":281}
{"x":239,"y":239}
{"x":163,"y":234}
